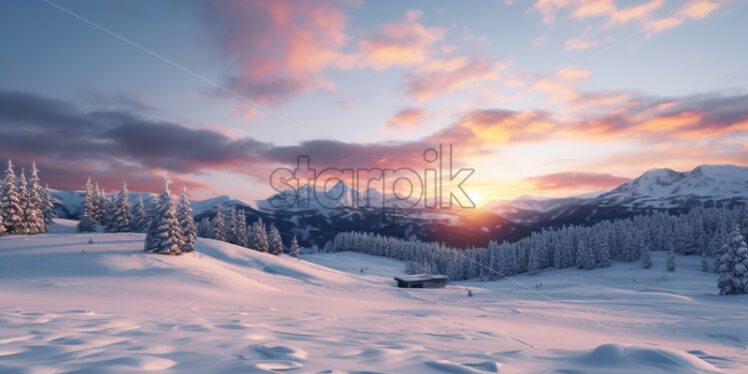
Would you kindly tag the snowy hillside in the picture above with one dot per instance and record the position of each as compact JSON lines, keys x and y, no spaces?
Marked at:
{"x":69,"y":306}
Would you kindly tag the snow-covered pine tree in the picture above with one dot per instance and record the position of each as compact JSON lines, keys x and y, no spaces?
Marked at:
{"x":204,"y":227}
{"x":704,"y":262}
{"x":258,"y":237}
{"x":294,"y":248}
{"x":110,"y":212}
{"x":2,"y":226}
{"x":100,"y":205}
{"x":241,"y":228}
{"x":48,"y":205}
{"x":186,"y":223}
{"x":670,"y":259}
{"x":582,"y":254}
{"x":34,"y":213}
{"x":23,"y":194}
{"x":152,"y":212}
{"x":10,"y":202}
{"x":603,"y":254}
{"x":733,"y":266}
{"x":87,"y":221}
{"x":275,"y":241}
{"x":219,"y":228}
{"x":139,"y":216}
{"x":121,"y":220}
{"x":645,"y":255}
{"x":168,"y":234}
{"x":533,"y":265}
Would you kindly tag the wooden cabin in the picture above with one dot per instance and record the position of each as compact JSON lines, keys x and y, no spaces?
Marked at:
{"x":421,"y":281}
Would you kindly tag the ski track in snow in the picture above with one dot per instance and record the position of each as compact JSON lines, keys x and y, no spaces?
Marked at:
{"x":72,"y":307}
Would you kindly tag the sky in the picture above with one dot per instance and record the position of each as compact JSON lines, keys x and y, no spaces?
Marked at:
{"x":544,"y":97}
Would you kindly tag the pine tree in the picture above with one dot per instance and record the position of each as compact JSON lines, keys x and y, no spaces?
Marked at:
{"x":671,"y":260}
{"x":603,"y":257}
{"x":2,"y":226}
{"x":48,"y":206}
{"x":241,"y":229}
{"x":99,"y":203}
{"x":581,"y":259}
{"x":121,"y":220}
{"x":10,"y":203}
{"x":34,"y":203}
{"x":139,"y":216}
{"x":87,"y":222}
{"x":704,"y":262}
{"x":275,"y":241}
{"x":25,"y":227}
{"x":258,"y":237}
{"x":219,"y":230}
{"x":646,"y":256}
{"x":110,"y":220}
{"x":168,"y":233}
{"x":186,"y":223}
{"x":533,"y":265}
{"x":204,"y":228}
{"x":294,"y":249}
{"x":734,"y":266}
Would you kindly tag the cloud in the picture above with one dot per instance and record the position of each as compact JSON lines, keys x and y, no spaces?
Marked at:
{"x":655,"y":119}
{"x":572,"y":180}
{"x":578,"y":43}
{"x":406,"y":120}
{"x":643,"y":14}
{"x":491,"y":126}
{"x":399,"y":44}
{"x":71,"y":144}
{"x":448,"y":75}
{"x":279,"y":47}
{"x":694,"y":9}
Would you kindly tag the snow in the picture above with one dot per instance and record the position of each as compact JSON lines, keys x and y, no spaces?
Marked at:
{"x":69,"y":306}
{"x":659,"y":187}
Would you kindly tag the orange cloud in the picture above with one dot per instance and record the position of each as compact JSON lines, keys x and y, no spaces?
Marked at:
{"x":481,"y":127}
{"x":399,"y":44}
{"x":643,"y":14}
{"x":406,"y":120}
{"x":694,"y":9}
{"x":445,"y":76}
{"x":578,"y":43}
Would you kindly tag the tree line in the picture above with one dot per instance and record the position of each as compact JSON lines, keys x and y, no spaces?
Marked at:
{"x":232,"y":228}
{"x":25,"y":206}
{"x":711,"y":232}
{"x":169,"y":226}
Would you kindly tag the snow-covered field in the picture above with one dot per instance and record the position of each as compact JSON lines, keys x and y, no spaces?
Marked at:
{"x":70,"y":306}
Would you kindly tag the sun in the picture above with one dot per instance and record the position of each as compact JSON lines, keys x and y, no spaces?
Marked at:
{"x":475,"y":197}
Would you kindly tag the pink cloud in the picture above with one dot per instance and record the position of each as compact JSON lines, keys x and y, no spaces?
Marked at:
{"x":406,"y":120}
{"x":444,"y":76}
{"x":578,"y":43}
{"x":280,"y":47}
{"x":399,"y":44}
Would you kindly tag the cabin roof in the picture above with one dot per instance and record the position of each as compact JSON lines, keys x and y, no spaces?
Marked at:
{"x":420,"y":277}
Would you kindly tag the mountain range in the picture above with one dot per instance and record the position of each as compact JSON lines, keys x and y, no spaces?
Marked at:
{"x":335,"y":211}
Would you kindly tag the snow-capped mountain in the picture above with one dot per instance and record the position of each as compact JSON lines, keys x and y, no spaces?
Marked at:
{"x":340,"y":208}
{"x":666,"y":188}
{"x":340,"y":195}
{"x":662,"y":189}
